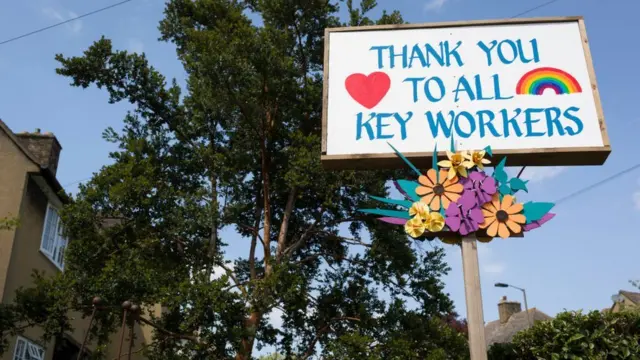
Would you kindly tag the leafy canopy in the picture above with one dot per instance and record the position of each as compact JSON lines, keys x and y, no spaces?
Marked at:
{"x":574,"y":335}
{"x":238,"y":152}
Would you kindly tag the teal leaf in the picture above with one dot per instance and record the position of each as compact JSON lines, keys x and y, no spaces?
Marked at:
{"x":504,"y":189}
{"x":499,"y":173}
{"x":415,"y":169}
{"x":534,"y":211}
{"x":434,"y":163}
{"x":387,"y":213}
{"x":453,"y":145}
{"x":488,"y":150}
{"x":409,"y":187}
{"x":518,"y":184}
{"x":404,"y":203}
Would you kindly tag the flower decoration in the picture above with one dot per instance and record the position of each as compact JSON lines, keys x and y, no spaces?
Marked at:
{"x":423,"y":220}
{"x":464,"y":217}
{"x":436,"y":222}
{"x":536,"y":224}
{"x":477,"y":158}
{"x":415,"y":227}
{"x":457,"y":163}
{"x":502,"y":218}
{"x":479,"y":188}
{"x":456,"y":199}
{"x":434,"y":191}
{"x":419,"y":209}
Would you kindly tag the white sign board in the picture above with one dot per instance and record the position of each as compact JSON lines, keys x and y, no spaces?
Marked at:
{"x":524,"y":87}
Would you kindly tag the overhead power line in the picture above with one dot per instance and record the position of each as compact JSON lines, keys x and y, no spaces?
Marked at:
{"x":599,"y":183}
{"x":64,"y":22}
{"x":535,"y":8}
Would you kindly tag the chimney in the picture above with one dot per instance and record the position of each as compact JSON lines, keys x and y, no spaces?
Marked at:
{"x":507,"y":308}
{"x":45,"y":148}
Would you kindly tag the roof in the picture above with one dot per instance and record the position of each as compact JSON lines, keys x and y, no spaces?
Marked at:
{"x":494,"y":332}
{"x":45,"y":172}
{"x":634,"y":297}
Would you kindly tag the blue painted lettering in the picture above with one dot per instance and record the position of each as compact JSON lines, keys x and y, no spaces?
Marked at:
{"x":470,"y":120}
{"x":570,"y":114}
{"x":366,"y":125}
{"x":487,"y":124}
{"x":414,"y":86}
{"x":427,"y":89}
{"x":511,"y":121}
{"x":553,"y":121}
{"x":463,"y":85}
{"x":439,"y":122}
{"x":529,"y":120}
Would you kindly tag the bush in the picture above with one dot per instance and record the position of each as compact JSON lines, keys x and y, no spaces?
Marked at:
{"x":574,"y":335}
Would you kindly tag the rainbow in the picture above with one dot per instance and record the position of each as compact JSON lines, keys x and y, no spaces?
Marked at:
{"x":536,"y":81}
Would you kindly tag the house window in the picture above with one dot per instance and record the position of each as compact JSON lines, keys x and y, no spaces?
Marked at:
{"x":26,"y":350}
{"x":53,"y":243}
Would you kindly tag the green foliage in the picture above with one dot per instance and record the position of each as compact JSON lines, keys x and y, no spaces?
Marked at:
{"x":9,"y":223}
{"x":239,"y":152}
{"x":274,"y":356}
{"x":574,"y":335}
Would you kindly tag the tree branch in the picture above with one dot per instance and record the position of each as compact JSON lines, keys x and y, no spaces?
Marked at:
{"x":170,"y":333}
{"x":125,"y":354}
{"x":235,"y":280}
{"x":284,"y":226}
{"x":254,"y":241}
{"x":323,"y":330}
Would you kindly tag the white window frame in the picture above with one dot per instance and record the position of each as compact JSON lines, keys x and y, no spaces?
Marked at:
{"x":58,"y":243}
{"x":35,"y":351}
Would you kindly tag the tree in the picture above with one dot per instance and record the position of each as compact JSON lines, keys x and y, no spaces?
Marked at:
{"x":274,"y":356}
{"x":574,"y":335}
{"x":240,"y":150}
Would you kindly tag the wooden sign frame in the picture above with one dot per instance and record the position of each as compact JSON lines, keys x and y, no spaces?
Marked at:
{"x":517,"y":157}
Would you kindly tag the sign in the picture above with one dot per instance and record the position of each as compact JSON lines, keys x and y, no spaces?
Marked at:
{"x":525,"y":87}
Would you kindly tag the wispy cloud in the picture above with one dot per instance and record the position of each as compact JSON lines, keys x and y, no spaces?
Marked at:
{"x":434,"y":5}
{"x":74,"y":26}
{"x":136,"y":45}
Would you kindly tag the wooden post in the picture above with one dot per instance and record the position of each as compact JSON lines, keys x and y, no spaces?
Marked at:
{"x":473,"y":295}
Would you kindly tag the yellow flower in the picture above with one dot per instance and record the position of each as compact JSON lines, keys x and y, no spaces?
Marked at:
{"x":477,"y":158}
{"x":415,"y":227}
{"x":436,"y":222}
{"x":457,"y":164}
{"x":419,"y":209}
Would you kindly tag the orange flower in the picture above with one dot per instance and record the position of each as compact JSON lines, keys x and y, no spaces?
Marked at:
{"x":432,"y":191}
{"x":502,"y":218}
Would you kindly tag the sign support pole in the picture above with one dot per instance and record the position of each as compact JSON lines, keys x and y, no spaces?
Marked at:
{"x":473,"y":295}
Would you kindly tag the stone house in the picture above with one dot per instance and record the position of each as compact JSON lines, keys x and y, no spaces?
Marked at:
{"x":511,"y":320}
{"x":625,"y":300}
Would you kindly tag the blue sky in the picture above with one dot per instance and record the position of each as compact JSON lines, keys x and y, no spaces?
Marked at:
{"x":577,"y":261}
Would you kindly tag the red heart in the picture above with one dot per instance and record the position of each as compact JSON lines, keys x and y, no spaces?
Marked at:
{"x":368,"y":91}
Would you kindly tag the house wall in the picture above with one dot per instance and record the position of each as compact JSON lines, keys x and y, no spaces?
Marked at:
{"x":26,"y":256}
{"x":625,"y":303}
{"x":13,"y":175}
